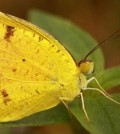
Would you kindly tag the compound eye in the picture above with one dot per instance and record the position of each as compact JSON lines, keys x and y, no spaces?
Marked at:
{"x":86,"y":67}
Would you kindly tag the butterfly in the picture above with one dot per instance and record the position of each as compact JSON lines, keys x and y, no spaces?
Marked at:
{"x":37,"y":72}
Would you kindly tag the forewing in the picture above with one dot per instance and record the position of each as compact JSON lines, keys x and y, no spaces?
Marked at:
{"x":32,"y":65}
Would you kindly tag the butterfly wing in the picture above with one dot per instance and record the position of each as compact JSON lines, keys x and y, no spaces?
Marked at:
{"x":32,"y":65}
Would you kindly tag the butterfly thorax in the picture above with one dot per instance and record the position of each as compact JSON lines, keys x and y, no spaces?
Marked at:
{"x":73,"y":87}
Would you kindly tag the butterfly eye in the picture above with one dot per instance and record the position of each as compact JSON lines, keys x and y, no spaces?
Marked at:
{"x":86,"y":67}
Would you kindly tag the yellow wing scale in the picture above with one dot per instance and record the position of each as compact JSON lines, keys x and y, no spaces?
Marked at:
{"x":33,"y":69}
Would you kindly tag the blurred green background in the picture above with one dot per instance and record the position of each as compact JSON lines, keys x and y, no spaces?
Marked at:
{"x":99,"y":17}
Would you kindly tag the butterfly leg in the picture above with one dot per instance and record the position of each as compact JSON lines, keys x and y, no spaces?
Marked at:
{"x":83,"y":106}
{"x":96,"y":89}
{"x":64,"y":100}
{"x":93,"y":78}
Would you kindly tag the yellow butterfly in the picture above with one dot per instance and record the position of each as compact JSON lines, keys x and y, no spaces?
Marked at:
{"x":36,"y":71}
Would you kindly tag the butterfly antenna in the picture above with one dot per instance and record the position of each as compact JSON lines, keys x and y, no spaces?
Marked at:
{"x":112,"y":36}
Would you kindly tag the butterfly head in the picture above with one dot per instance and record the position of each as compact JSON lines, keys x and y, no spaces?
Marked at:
{"x":86,"y":66}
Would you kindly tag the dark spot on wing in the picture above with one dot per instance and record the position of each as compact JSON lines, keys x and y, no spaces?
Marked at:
{"x":37,"y":91}
{"x":58,"y":51}
{"x":40,"y":39}
{"x":9,"y":32}
{"x":52,"y":46}
{"x":14,"y":69}
{"x":23,"y":60}
{"x":4,"y":93}
{"x":67,"y":61}
{"x":62,"y":85}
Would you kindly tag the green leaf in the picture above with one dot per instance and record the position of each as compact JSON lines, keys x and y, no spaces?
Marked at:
{"x":77,"y":41}
{"x":55,"y":115}
{"x":109,"y":78}
{"x":104,"y":115}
